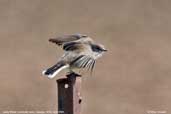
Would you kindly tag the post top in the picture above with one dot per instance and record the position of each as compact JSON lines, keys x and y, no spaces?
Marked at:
{"x":68,"y":77}
{"x":73,"y":74}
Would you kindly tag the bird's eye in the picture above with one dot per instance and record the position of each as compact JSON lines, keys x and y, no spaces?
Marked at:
{"x":96,"y":48}
{"x":99,"y":48}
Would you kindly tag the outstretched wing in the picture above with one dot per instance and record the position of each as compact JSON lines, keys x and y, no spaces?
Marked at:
{"x":72,"y":42}
{"x":84,"y":61}
{"x":67,"y":38}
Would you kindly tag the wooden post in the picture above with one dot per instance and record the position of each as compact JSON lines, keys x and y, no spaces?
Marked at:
{"x":69,"y":94}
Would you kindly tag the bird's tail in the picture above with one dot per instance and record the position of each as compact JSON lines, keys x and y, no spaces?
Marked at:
{"x":54,"y":70}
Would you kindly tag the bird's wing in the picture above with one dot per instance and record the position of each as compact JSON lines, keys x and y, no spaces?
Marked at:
{"x":84,"y":61}
{"x":69,"y":38}
{"x":72,"y":42}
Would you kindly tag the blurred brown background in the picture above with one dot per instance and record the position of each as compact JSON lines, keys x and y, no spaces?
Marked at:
{"x":132,"y":78}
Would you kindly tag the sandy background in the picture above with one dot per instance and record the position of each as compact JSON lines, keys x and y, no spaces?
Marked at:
{"x":132,"y":78}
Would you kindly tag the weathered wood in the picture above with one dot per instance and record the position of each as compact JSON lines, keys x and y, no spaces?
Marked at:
{"x":69,"y":94}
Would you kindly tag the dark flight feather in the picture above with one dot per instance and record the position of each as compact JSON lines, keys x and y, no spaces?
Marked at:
{"x":83,"y":61}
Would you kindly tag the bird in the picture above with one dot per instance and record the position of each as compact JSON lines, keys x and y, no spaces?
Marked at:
{"x":80,"y":52}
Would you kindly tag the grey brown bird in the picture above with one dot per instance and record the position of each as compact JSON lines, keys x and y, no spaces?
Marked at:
{"x":80,"y":52}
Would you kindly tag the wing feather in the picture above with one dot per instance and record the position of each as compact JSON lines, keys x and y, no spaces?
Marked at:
{"x":84,"y":61}
{"x":89,"y":64}
{"x":66,"y":38}
{"x":94,"y":62}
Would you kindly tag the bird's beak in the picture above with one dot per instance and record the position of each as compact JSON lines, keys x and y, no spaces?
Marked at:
{"x":104,"y":49}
